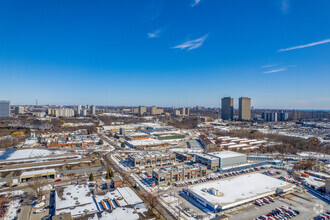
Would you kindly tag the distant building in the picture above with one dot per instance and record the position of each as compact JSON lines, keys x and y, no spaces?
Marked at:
{"x":269,"y":116}
{"x":320,"y":115}
{"x":185,"y":111}
{"x":78,"y":109}
{"x":244,"y":109}
{"x":156,"y":111}
{"x":19,"y":110}
{"x":4,"y":108}
{"x":64,"y":112}
{"x":327,"y":185}
{"x":227,"y":108}
{"x":282,"y":116}
{"x":142,"y":110}
{"x":83,"y":112}
{"x":176,"y":112}
{"x":296,"y":115}
{"x":93,"y":110}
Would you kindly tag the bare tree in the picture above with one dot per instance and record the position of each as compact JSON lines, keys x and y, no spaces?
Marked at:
{"x":152,"y":199}
{"x":36,"y":185}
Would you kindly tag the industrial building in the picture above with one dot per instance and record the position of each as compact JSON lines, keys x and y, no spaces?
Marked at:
{"x":48,"y":174}
{"x":174,"y":174}
{"x":194,"y":145}
{"x":239,"y":190}
{"x":151,"y":159}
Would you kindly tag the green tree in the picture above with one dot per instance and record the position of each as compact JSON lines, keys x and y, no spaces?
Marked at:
{"x":123,"y":145}
{"x":91,"y":177}
{"x":107,"y":176}
{"x":111,"y":173}
{"x":101,"y":142}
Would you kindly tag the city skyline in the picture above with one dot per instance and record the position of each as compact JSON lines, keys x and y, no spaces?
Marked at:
{"x":148,"y":53}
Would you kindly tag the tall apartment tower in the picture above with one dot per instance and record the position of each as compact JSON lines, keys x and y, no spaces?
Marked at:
{"x":185,"y":111}
{"x":78,"y":109}
{"x":244,"y":109}
{"x":4,"y":108}
{"x":142,"y":110}
{"x":93,"y":110}
{"x":227,"y":108}
{"x":19,"y":110}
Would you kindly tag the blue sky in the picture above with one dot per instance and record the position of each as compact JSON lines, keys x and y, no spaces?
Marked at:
{"x":166,"y":52}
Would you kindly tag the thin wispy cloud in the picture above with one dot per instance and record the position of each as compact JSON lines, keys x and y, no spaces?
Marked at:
{"x":305,"y":45}
{"x":154,"y":34}
{"x":276,"y":70}
{"x":196,"y":2}
{"x":191,"y":44}
{"x":279,"y":69}
{"x":269,"y":66}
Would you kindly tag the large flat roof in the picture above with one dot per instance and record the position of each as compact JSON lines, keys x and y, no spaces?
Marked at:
{"x":226,"y":154}
{"x":34,"y":172}
{"x":239,"y":188}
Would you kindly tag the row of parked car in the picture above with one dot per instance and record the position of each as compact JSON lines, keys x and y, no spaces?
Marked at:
{"x":218,"y":176}
{"x":290,"y":180}
{"x":281,"y":213}
{"x":263,"y":201}
{"x":324,"y":216}
{"x":271,"y":173}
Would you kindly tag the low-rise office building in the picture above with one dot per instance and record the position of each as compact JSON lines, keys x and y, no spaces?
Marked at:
{"x":174,"y":174}
{"x":151,"y":159}
{"x":208,"y":160}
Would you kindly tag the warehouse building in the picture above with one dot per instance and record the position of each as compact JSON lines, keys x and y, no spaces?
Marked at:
{"x":229,"y":158}
{"x":226,"y":194}
{"x":48,"y":174}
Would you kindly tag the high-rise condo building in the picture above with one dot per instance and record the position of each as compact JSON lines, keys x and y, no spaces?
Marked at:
{"x":93,"y":110}
{"x":227,"y":108}
{"x":142,"y":110}
{"x":78,"y":109}
{"x":244,"y":109}
{"x":19,"y":110}
{"x":4,"y":108}
{"x":185,"y":111}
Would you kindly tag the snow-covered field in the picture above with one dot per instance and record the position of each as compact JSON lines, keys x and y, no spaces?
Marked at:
{"x":29,"y":153}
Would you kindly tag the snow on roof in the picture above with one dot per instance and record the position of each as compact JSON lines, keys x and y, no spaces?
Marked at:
{"x":145,"y":142}
{"x":28,"y":153}
{"x":75,"y":199}
{"x":238,"y":145}
{"x":226,"y":154}
{"x":232,"y":190}
{"x":129,"y":195}
{"x":34,"y":172}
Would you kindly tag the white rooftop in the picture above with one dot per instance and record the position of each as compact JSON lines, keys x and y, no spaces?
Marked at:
{"x":238,"y":188}
{"x":226,"y":154}
{"x":34,"y":172}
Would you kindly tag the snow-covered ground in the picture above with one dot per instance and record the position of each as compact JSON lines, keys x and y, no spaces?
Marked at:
{"x":12,"y":210}
{"x":29,"y":153}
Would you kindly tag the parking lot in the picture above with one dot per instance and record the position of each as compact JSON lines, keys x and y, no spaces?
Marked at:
{"x":307,"y":205}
